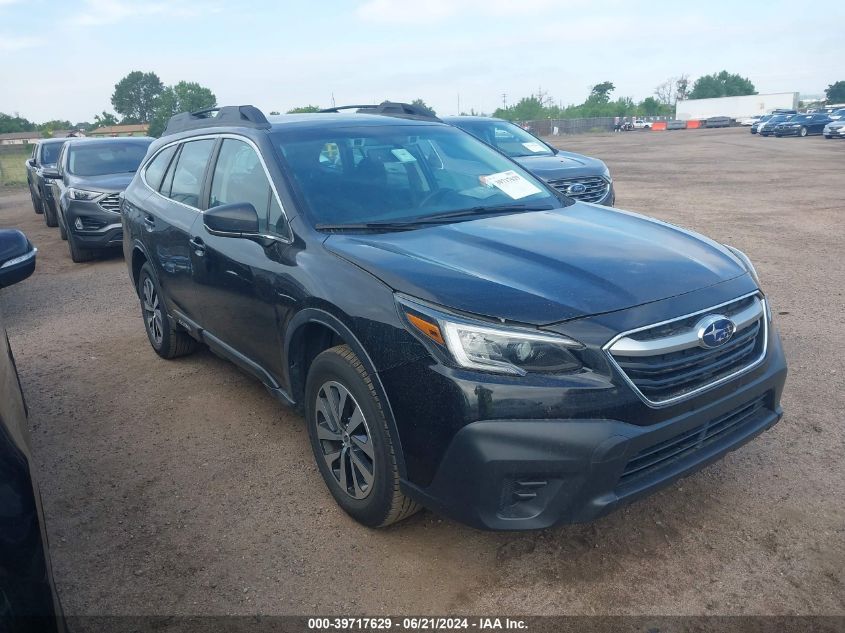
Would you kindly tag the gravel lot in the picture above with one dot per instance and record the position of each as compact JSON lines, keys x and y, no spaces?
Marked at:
{"x":183,"y":487}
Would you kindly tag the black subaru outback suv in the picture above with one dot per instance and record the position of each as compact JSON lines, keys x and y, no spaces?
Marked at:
{"x":459,"y":335}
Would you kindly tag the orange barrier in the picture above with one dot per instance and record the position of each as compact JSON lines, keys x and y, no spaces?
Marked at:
{"x":693,"y":124}
{"x":658,"y":125}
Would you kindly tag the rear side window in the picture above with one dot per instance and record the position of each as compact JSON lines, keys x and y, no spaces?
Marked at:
{"x":155,"y":170}
{"x":189,"y":170}
{"x":239,"y":176}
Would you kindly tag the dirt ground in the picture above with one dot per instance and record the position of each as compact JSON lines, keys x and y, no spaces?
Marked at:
{"x":183,"y":487}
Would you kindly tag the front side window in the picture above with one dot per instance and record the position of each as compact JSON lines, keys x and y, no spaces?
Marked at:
{"x":402,"y":173}
{"x":239,"y":176}
{"x":109,"y":157}
{"x":189,"y":170}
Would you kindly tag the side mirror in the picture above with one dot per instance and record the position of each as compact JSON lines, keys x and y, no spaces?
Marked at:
{"x":30,"y":162}
{"x":238,"y":219}
{"x":51,"y":172}
{"x":17,"y":257}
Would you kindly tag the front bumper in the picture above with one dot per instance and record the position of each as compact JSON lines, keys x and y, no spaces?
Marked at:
{"x":518,"y":474}
{"x":101,"y":229}
{"x":835,"y":133}
{"x":787,"y":131}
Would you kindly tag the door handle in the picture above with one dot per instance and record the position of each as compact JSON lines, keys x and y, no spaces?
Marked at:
{"x":198,"y":245}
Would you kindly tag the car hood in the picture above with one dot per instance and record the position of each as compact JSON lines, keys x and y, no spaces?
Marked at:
{"x":542,"y":267}
{"x":113,"y":183}
{"x":562,"y":165}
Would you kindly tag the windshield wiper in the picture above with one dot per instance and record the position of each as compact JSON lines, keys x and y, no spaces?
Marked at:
{"x":466,"y":213}
{"x":431,"y":220}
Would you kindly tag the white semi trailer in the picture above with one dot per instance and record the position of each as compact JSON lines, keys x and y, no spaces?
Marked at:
{"x":735,"y":107}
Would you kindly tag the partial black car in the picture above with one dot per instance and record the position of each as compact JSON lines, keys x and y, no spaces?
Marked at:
{"x":459,"y":334}
{"x":803,"y":125}
{"x":44,"y":157}
{"x":91,"y":174}
{"x":575,"y":175}
{"x":28,"y":601}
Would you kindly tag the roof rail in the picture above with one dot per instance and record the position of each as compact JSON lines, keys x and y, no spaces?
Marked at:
{"x":224,"y":116}
{"x":390,"y":108}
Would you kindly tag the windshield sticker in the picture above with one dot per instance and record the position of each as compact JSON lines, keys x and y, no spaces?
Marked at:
{"x":534,"y":147}
{"x":479,"y":193}
{"x":403,"y":155}
{"x":510,"y":183}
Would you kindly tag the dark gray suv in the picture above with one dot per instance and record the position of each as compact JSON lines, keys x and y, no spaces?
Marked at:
{"x":580,"y":177}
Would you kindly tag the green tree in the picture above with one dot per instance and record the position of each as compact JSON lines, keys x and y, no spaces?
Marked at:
{"x":526,"y":109}
{"x":835,"y":92}
{"x":186,"y":96}
{"x":650,"y":106}
{"x":47,"y":128}
{"x":600,"y":93}
{"x":15,"y":123}
{"x":304,"y":109}
{"x":135,"y":96}
{"x":105,"y":118}
{"x":722,"y":84}
{"x":422,"y":104}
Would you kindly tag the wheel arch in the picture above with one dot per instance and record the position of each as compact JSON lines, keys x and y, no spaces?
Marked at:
{"x":314,"y":330}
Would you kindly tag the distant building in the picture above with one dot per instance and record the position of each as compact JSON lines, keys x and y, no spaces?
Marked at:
{"x":139,"y":129}
{"x":19,"y":138}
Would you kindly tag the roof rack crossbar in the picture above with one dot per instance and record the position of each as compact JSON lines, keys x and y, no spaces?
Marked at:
{"x":225,"y":116}
{"x":390,"y":108}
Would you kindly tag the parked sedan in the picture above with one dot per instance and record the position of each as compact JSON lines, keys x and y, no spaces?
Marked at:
{"x":803,"y":125}
{"x":834,"y":129}
{"x":768,"y":128}
{"x":755,"y":127}
{"x":91,"y":174}
{"x":676,"y":125}
{"x":577,"y":176}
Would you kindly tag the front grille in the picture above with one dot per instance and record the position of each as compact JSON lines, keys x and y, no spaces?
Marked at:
{"x":595,"y":187}
{"x":681,"y":446}
{"x":111,"y":203}
{"x":665,"y":362}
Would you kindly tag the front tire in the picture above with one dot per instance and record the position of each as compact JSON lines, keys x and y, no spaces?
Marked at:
{"x":351,"y":440}
{"x":50,"y":217}
{"x":36,"y":203}
{"x":166,"y":339}
{"x":78,"y":254}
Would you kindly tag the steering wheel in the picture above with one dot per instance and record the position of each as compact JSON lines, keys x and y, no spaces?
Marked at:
{"x":434,"y":196}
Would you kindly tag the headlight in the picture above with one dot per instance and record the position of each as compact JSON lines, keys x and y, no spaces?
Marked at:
{"x":83,"y":194}
{"x":503,"y":350}
{"x":606,"y":173}
{"x":743,"y":258}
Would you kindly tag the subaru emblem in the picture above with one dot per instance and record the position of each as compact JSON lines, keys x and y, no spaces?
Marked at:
{"x":576,"y":188}
{"x":715,"y":331}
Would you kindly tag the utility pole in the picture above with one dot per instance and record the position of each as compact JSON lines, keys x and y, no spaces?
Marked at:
{"x":333,"y":103}
{"x":504,"y":101}
{"x":459,"y":104}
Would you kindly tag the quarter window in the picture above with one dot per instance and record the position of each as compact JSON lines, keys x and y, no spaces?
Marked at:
{"x":189,"y":170}
{"x":239,"y":176}
{"x":155,"y":170}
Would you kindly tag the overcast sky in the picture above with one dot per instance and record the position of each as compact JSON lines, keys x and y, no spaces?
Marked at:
{"x":61,"y":58}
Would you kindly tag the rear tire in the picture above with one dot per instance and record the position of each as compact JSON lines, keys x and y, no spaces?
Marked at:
{"x":166,"y":339}
{"x":78,"y":254}
{"x":351,"y":440}
{"x":803,"y":131}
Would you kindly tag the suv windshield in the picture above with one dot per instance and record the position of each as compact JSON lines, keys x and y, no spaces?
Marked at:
{"x":99,"y":159}
{"x":403,"y":173}
{"x":505,"y":136}
{"x":50,"y":153}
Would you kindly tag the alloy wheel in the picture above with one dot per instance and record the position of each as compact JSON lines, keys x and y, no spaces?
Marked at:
{"x":152,"y":312}
{"x":345,"y":440}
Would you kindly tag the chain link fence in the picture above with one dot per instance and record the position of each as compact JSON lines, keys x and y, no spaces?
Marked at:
{"x":555,"y":127}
